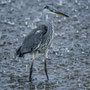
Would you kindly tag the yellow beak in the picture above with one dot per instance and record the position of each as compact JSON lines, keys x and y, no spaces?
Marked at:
{"x":61,"y":14}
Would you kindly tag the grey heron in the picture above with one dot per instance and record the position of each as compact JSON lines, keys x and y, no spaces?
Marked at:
{"x":39,"y":39}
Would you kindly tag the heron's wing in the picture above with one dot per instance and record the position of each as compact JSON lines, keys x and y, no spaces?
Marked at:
{"x":33,"y":41}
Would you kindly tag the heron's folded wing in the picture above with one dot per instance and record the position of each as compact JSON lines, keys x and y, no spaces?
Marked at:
{"x":33,"y":41}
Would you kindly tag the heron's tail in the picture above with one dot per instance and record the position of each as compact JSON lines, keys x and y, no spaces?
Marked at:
{"x":18,"y":52}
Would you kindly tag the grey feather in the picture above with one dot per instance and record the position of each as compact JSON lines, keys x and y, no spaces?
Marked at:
{"x":34,"y":40}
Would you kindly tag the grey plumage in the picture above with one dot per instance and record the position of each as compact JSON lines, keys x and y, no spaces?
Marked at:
{"x":39,"y":39}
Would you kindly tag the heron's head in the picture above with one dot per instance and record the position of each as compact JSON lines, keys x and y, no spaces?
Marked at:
{"x":49,"y":9}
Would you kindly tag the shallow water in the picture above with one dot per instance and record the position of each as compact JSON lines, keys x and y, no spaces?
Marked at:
{"x":69,"y":55}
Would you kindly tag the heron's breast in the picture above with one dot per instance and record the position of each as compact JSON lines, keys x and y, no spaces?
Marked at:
{"x":46,"y":41}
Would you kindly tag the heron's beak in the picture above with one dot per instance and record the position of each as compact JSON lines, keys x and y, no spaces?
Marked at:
{"x":59,"y":13}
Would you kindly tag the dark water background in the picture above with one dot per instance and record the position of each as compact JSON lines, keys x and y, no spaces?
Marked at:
{"x":69,"y":54}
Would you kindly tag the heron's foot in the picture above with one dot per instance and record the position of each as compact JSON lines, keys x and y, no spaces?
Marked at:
{"x":30,"y":79}
{"x":47,"y":76}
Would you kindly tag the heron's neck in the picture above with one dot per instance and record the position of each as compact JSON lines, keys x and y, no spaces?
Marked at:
{"x":48,"y":21}
{"x":45,"y":18}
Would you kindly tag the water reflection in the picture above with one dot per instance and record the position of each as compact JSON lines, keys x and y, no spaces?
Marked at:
{"x":41,"y":86}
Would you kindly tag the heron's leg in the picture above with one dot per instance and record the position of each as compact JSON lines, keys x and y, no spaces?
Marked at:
{"x":45,"y":64}
{"x":31,"y":68}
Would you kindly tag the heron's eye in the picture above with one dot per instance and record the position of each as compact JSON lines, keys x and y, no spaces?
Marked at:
{"x":46,"y":7}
